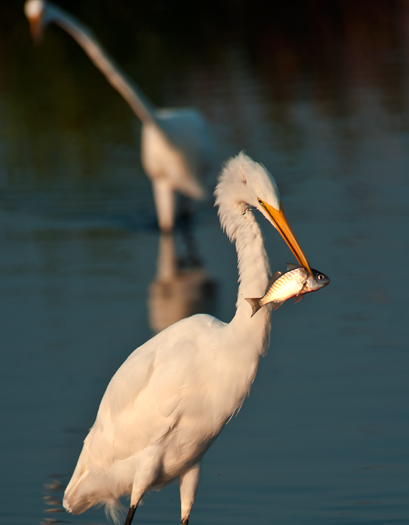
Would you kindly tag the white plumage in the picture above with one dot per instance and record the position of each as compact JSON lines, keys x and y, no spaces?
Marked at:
{"x":177,"y":145}
{"x":171,"y":398}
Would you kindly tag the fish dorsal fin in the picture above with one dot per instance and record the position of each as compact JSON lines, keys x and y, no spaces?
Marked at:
{"x":273,"y":279}
{"x":298,"y":298}
{"x":292,"y":266}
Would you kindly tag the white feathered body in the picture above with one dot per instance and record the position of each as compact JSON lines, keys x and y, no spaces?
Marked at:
{"x":179,"y":147}
{"x":165,"y":406}
{"x":178,"y":154}
{"x":171,"y":398}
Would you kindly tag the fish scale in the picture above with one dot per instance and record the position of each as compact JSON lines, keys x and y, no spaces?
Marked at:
{"x":290,"y":284}
{"x":295,"y":282}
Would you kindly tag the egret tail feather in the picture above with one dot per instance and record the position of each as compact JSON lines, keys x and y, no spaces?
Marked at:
{"x":85,"y":491}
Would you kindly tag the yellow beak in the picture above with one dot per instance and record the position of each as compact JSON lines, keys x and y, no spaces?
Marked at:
{"x":279,"y":220}
{"x":36,"y":30}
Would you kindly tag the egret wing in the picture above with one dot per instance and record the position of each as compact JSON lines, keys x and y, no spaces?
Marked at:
{"x":145,"y":396}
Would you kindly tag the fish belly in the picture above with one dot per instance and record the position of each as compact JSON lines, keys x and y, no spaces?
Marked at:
{"x":283,"y":289}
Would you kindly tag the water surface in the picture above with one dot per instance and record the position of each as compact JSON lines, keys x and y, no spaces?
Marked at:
{"x":320,"y":97}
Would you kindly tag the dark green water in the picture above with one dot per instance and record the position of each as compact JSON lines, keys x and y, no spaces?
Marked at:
{"x":321,"y":97}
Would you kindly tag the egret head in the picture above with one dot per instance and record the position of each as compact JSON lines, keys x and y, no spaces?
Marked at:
{"x":35,"y":11}
{"x":249,"y":182}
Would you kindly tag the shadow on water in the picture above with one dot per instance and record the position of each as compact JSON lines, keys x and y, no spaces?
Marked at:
{"x":319,"y":92}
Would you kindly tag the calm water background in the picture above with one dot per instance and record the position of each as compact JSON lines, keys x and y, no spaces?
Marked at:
{"x":320,"y":94}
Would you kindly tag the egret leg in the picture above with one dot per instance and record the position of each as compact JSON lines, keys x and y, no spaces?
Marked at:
{"x":165,"y":204}
{"x":185,"y":211}
{"x":189,"y":481}
{"x":192,"y":258}
{"x":130,"y":514}
{"x":146,"y":464}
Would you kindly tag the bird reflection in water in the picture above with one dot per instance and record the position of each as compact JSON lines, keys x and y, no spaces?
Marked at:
{"x":181,"y":287}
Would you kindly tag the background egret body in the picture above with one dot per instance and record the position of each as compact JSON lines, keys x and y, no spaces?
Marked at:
{"x":171,"y":398}
{"x":177,"y":145}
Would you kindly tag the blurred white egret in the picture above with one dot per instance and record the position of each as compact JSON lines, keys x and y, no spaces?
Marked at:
{"x":171,"y":398}
{"x":177,"y":145}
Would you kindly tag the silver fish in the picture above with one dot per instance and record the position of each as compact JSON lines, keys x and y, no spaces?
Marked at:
{"x":295,"y":282}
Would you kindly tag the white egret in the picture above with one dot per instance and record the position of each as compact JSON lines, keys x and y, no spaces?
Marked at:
{"x":171,"y":398}
{"x":177,"y":145}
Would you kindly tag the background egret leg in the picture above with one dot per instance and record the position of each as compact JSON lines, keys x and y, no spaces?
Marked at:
{"x":164,"y":197}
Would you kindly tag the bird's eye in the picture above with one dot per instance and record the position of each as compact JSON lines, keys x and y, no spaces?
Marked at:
{"x":320,"y":277}
{"x":260,"y":201}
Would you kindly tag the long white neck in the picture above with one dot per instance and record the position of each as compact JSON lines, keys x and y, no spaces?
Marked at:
{"x":242,"y":228}
{"x":117,"y":78}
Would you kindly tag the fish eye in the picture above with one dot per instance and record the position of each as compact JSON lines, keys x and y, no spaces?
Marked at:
{"x":320,"y":277}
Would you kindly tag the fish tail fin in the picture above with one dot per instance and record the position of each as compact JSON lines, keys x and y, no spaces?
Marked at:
{"x":254,"y":303}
